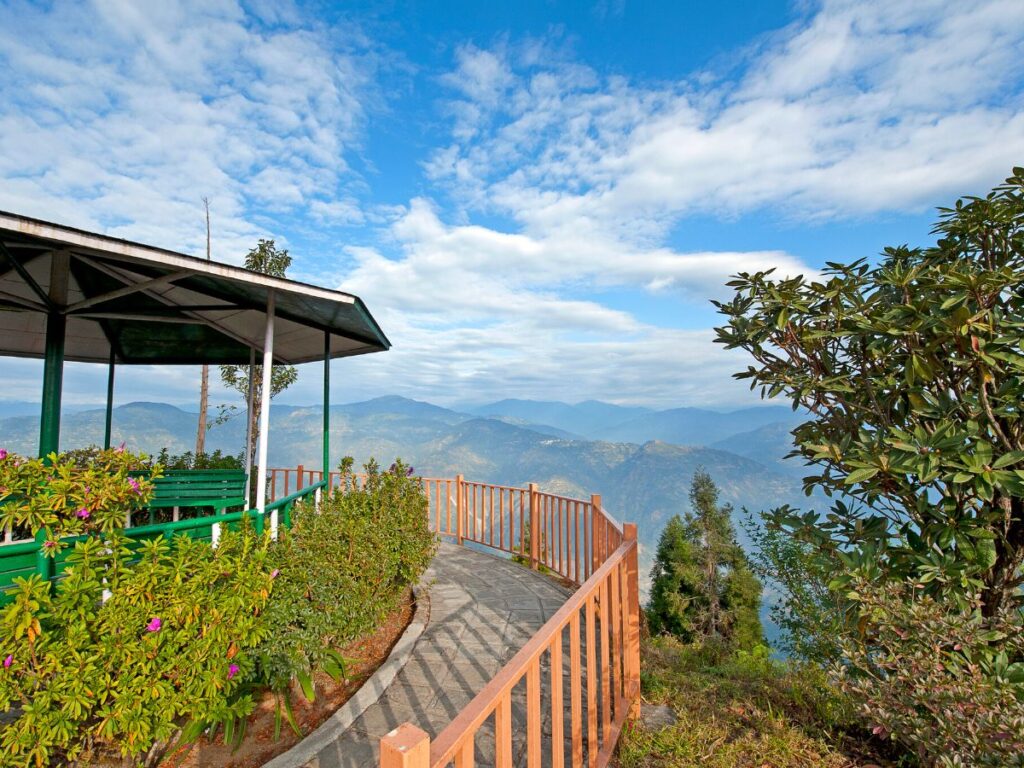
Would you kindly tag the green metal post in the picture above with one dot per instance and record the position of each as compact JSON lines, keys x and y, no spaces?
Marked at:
{"x":53,"y":382}
{"x":327,"y":408}
{"x":53,"y":379}
{"x":110,"y":400}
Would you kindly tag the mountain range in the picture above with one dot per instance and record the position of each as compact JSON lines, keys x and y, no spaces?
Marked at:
{"x":640,"y":460}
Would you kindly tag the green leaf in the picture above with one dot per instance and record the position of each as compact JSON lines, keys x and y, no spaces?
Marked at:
{"x":306,"y":683}
{"x":1011,"y":457}
{"x":860,"y":475}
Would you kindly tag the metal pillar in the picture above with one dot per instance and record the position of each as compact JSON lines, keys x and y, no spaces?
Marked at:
{"x":248,"y":424}
{"x":268,"y":364}
{"x":327,"y":408}
{"x":110,"y":400}
{"x":53,"y":382}
{"x":53,"y":362}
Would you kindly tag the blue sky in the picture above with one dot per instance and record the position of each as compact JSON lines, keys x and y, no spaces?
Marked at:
{"x":535,"y":199}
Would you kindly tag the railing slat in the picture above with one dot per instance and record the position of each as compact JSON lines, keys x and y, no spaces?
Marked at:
{"x":503,"y":732}
{"x":575,"y":690}
{"x":533,"y":715}
{"x":466,"y":756}
{"x":591,"y":686}
{"x":615,"y":609}
{"x":606,"y":667}
{"x":557,"y":705}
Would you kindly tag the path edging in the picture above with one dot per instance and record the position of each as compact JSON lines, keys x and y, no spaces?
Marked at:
{"x":367,"y":695}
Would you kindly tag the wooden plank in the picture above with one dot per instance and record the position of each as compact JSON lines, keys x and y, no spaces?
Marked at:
{"x":466,"y":756}
{"x":591,"y":687}
{"x":575,"y":691}
{"x":503,"y":731}
{"x":557,"y":704}
{"x":606,"y":667}
{"x":615,"y":609}
{"x":405,"y":747}
{"x":533,"y":715}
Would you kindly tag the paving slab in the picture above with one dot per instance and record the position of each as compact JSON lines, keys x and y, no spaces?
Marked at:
{"x":483,"y":609}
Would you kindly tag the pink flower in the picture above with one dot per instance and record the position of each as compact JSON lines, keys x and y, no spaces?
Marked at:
{"x":135,"y":485}
{"x":8,"y":661}
{"x":232,"y":671}
{"x":154,"y":624}
{"x":83,"y":513}
{"x":50,"y":544}
{"x":3,"y":454}
{"x":275,"y":573}
{"x":120,"y":448}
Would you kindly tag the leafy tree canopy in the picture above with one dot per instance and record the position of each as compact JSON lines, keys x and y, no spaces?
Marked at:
{"x":913,"y":373}
{"x":268,"y":259}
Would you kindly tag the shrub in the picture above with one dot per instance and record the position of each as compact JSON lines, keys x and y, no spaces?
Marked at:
{"x":806,"y":610}
{"x":71,"y":494}
{"x":141,"y":644}
{"x":938,"y":678}
{"x":343,"y":567}
{"x":189,"y":460}
{"x":171,"y":645}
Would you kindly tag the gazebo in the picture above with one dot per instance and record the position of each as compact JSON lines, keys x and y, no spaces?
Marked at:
{"x":68,"y":294}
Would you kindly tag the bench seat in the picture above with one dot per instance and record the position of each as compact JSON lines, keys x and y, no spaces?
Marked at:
{"x":220,"y":489}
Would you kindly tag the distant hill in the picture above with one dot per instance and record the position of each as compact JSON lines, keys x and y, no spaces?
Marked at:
{"x":586,"y":419}
{"x":645,"y":480}
{"x":769,"y":445}
{"x":695,"y":426}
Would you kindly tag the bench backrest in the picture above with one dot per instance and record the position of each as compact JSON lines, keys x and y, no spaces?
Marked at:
{"x":182,"y":487}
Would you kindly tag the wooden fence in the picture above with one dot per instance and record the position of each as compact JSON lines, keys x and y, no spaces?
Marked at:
{"x":589,"y":650}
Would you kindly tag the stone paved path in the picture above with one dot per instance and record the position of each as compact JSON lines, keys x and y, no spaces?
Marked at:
{"x":482,"y":610}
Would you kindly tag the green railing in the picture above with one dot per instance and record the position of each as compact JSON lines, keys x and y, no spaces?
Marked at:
{"x":24,"y":558}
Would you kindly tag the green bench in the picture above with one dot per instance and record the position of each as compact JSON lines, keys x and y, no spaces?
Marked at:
{"x":182,"y":488}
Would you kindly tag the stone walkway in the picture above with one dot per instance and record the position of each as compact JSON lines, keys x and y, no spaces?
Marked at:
{"x":482,"y":610}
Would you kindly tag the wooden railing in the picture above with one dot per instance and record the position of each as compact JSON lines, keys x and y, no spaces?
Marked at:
{"x":574,"y":537}
{"x":22,"y":558}
{"x":589,"y":651}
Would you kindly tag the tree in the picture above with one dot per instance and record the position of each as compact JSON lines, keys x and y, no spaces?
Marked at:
{"x":702,"y":586}
{"x":269,"y":260}
{"x":913,"y":374}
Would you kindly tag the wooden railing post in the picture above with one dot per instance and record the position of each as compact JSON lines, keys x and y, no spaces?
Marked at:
{"x":459,"y":508}
{"x":535,"y":531}
{"x":632,"y":620}
{"x":300,"y":471}
{"x":405,"y":747}
{"x":595,"y":514}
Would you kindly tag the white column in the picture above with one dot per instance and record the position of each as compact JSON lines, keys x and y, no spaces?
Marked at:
{"x":248,"y":425}
{"x":268,"y":364}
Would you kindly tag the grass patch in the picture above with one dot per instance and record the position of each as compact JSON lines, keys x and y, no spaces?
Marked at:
{"x":745,"y":711}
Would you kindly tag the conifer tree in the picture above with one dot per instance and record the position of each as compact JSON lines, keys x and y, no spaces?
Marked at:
{"x":702,"y":585}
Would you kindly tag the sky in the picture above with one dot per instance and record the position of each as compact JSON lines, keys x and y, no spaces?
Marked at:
{"x":535,"y":199}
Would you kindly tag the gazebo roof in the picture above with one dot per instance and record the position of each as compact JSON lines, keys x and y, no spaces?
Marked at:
{"x":154,"y":306}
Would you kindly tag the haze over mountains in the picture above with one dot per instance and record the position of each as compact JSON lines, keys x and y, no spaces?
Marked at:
{"x":640,"y":460}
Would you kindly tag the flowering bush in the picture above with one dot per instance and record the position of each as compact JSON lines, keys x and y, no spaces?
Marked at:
{"x":941,"y":679}
{"x":169,"y":647}
{"x":343,"y":567}
{"x":66,"y":496}
{"x":142,"y":644}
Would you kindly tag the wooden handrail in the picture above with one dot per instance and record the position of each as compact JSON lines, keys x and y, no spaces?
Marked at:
{"x":449,"y":743}
{"x":579,"y":541}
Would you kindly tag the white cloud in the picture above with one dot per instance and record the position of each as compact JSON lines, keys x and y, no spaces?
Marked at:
{"x":125,"y":128}
{"x":865,"y":107}
{"x":862,"y":107}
